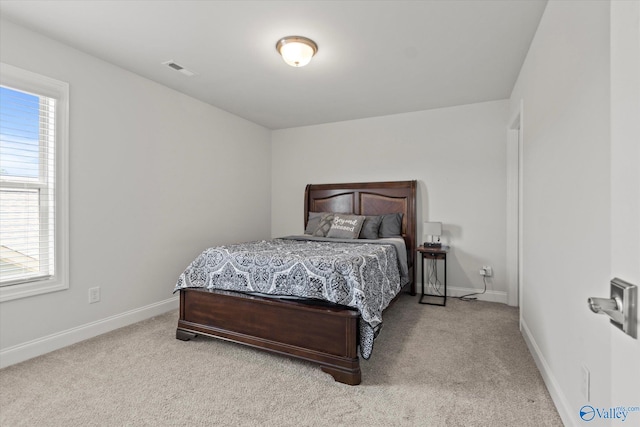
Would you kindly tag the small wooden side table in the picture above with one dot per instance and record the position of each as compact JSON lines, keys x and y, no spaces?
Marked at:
{"x":434,"y":253}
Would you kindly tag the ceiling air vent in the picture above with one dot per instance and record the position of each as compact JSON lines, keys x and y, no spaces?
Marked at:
{"x":175,"y":66}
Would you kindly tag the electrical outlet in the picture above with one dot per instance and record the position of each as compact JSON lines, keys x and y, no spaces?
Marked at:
{"x":585,"y":382}
{"x":94,"y":295}
{"x":486,"y":271}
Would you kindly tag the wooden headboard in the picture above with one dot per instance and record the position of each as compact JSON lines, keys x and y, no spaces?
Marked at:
{"x":370,"y":198}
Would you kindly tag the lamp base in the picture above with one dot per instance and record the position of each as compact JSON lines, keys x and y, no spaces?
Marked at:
{"x":431,"y":245}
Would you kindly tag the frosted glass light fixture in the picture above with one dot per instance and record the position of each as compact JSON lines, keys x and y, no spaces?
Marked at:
{"x":296,"y":51}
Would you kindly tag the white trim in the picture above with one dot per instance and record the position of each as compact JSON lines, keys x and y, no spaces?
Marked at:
{"x":512,"y":217}
{"x":29,"y":289}
{"x":28,"y":81}
{"x":567,"y":413}
{"x":521,"y":211}
{"x":40,"y":346}
{"x":514,"y":209}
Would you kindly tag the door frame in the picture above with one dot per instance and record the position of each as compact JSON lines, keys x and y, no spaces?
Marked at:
{"x":515,"y":149}
{"x":625,"y":190}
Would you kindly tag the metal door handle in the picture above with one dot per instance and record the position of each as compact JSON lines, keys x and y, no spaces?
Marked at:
{"x":622,"y":307}
{"x":609,"y":306}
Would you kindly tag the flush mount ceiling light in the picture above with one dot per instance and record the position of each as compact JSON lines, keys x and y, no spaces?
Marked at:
{"x":296,"y":51}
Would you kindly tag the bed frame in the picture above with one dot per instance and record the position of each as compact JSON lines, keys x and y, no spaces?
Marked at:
{"x":323,"y":333}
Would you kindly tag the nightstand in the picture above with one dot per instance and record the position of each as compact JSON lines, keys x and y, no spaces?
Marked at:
{"x":434,"y":254}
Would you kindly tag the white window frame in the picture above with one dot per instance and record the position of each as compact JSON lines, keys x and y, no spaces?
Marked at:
{"x":27,"y":81}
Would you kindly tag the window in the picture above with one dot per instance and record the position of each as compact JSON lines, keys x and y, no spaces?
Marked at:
{"x":33,"y":184}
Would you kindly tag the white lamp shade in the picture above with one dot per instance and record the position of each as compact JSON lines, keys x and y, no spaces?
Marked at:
{"x":432,"y":229}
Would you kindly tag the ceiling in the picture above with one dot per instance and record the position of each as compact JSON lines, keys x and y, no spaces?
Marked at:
{"x":375,"y":58}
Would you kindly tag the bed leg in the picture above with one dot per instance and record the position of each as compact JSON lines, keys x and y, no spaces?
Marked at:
{"x":342,"y":376}
{"x":183,"y":335}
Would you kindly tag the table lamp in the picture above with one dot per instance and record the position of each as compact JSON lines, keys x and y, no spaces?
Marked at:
{"x":431,"y":233}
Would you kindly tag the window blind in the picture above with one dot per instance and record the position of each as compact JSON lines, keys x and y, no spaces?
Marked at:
{"x":27,"y":186}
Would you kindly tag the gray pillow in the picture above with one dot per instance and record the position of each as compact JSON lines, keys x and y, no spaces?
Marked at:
{"x":391,"y":225}
{"x":371,"y":227}
{"x":313,"y":222}
{"x":325,"y":224}
{"x":346,"y":226}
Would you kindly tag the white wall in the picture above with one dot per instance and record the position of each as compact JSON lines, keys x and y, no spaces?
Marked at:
{"x":564,"y":85}
{"x":457,"y":155}
{"x":155,"y":177}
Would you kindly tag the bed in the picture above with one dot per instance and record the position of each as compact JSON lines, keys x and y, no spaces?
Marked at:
{"x":327,"y":331}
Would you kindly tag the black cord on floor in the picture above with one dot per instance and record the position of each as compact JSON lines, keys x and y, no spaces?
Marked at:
{"x":470,"y":297}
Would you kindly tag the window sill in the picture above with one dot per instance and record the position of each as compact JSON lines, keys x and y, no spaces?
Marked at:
{"x":24,"y":290}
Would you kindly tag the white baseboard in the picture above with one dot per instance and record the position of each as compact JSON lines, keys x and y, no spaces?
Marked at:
{"x":567,"y":414}
{"x":489,"y":295}
{"x":40,"y":346}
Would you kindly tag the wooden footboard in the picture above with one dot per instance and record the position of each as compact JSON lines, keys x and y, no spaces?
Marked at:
{"x":324,"y":335}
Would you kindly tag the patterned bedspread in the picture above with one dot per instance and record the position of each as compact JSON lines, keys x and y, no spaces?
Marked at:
{"x":361,"y":275}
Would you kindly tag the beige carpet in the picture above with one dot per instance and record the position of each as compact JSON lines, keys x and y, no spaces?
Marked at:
{"x":465,"y":364}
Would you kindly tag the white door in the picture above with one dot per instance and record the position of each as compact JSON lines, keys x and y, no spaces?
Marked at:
{"x":625,"y":193}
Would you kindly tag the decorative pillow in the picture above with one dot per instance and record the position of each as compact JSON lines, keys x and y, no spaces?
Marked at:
{"x":324,"y":225}
{"x":391,"y":225}
{"x":346,"y":226}
{"x":313,"y":222}
{"x":370,"y":227}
